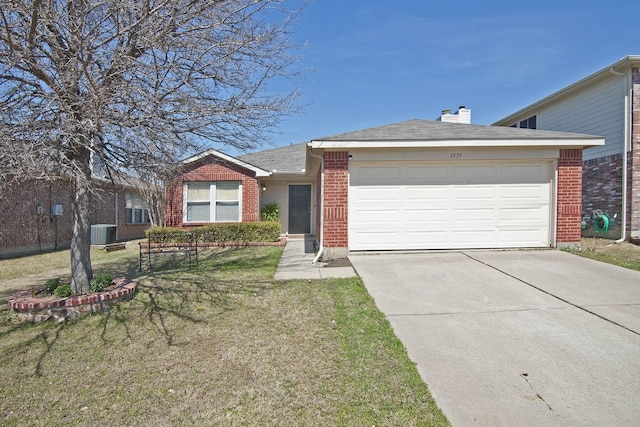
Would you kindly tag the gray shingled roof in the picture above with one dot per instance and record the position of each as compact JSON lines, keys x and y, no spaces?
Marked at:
{"x":427,"y":130}
{"x":288,"y":159}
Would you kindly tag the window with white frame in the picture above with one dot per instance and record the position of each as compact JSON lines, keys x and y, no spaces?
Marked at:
{"x":135,"y":209}
{"x":218,"y":201}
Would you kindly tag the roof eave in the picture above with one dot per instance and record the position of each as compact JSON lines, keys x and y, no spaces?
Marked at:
{"x":552,"y":142}
{"x":259,"y":171}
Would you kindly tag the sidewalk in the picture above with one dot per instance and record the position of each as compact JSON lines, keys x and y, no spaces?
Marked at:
{"x":296,"y":264}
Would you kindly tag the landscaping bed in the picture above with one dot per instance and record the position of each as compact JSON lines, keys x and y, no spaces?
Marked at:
{"x":34,"y":305}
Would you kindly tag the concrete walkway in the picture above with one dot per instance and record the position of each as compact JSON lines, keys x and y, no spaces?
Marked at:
{"x":296,"y":263}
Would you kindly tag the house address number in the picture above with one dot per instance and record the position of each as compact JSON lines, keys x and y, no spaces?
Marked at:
{"x":455,"y":156}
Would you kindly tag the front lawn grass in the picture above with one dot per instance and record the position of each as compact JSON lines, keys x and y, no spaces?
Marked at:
{"x":217,"y":344}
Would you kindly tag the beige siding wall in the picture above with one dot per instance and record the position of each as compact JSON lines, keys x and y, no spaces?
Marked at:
{"x":598,"y":110}
{"x":278,"y":192}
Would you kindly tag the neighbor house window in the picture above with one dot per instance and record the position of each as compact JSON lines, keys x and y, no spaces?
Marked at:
{"x":135,"y":209}
{"x":218,"y":201}
{"x":530,"y":123}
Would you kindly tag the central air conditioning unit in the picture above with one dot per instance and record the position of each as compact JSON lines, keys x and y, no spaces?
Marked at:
{"x":103,"y":234}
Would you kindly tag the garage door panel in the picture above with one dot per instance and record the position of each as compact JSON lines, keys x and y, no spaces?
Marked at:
{"x":525,"y":173}
{"x":531,"y":215}
{"x":447,"y":211}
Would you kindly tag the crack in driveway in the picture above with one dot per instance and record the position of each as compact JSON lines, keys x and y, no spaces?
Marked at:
{"x":525,"y":376}
{"x":583,"y":308}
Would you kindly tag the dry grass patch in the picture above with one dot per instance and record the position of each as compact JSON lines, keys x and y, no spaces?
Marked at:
{"x":624,"y":254}
{"x":220,"y":344}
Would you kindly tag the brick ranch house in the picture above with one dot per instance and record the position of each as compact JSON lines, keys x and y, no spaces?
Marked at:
{"x":605,"y":103}
{"x":417,"y":184}
{"x":36,"y":216}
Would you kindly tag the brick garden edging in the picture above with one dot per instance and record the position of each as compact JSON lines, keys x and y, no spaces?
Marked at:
{"x":30,"y":308}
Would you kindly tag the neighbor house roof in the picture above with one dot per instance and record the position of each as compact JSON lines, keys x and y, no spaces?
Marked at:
{"x":214,"y":153}
{"x":291,"y":159}
{"x":427,"y":133}
{"x":622,"y":65}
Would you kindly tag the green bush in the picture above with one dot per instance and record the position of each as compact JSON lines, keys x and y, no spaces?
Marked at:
{"x":168,"y":235}
{"x":100,"y":282}
{"x":51,"y":285}
{"x":270,"y":212}
{"x":267,"y":231}
{"x":63,"y":291}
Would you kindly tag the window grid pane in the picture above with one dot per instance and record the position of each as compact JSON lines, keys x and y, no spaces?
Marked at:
{"x":227,"y":212}
{"x":227,"y":191}
{"x":198,"y":212}
{"x":198,"y":191}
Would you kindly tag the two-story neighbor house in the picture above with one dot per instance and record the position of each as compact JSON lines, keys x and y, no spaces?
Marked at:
{"x":605,"y":103}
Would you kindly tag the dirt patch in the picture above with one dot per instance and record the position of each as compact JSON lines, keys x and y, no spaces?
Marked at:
{"x":339,"y":262}
{"x":595,"y":244}
{"x":624,"y":254}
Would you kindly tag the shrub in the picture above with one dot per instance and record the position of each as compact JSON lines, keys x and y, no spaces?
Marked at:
{"x":168,"y":235}
{"x":51,"y":285}
{"x":267,"y":231}
{"x":100,"y":282}
{"x":270,"y":212}
{"x":63,"y":291}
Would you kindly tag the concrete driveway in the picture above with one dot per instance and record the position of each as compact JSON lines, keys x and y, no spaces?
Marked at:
{"x":516,"y":338}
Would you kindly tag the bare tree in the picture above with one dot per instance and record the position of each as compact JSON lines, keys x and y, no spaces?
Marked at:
{"x":134,"y":82}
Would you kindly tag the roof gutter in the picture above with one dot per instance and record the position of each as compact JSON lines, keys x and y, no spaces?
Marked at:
{"x":625,"y":151}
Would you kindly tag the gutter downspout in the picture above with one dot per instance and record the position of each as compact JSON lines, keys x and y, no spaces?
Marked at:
{"x":321,"y":189}
{"x":627,"y":143}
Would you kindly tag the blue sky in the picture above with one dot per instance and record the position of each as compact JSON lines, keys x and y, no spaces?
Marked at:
{"x":377,"y":62}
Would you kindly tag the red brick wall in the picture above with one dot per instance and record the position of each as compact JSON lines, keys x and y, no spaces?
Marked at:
{"x":634,"y":171}
{"x":104,"y":207}
{"x":602,"y":189}
{"x":569,"y":196}
{"x":213,"y":169}
{"x":22,"y":230}
{"x":336,"y":191}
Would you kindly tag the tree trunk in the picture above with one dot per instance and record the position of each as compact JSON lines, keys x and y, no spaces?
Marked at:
{"x":81,"y":272}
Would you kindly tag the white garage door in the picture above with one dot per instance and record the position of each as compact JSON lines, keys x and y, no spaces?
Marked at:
{"x":449,"y":206}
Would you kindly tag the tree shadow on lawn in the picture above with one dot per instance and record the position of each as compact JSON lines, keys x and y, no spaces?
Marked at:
{"x":167,"y":300}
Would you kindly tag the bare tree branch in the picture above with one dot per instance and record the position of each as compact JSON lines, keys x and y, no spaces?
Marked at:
{"x":136,"y":85}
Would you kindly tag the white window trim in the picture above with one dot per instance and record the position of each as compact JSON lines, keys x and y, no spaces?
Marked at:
{"x":212,"y":202}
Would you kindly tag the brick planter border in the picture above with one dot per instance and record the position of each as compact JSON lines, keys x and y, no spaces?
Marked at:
{"x":35,"y":309}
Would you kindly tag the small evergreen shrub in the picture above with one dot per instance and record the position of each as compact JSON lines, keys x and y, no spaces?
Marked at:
{"x":63,"y":291}
{"x":51,"y":285}
{"x":100,"y":282}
